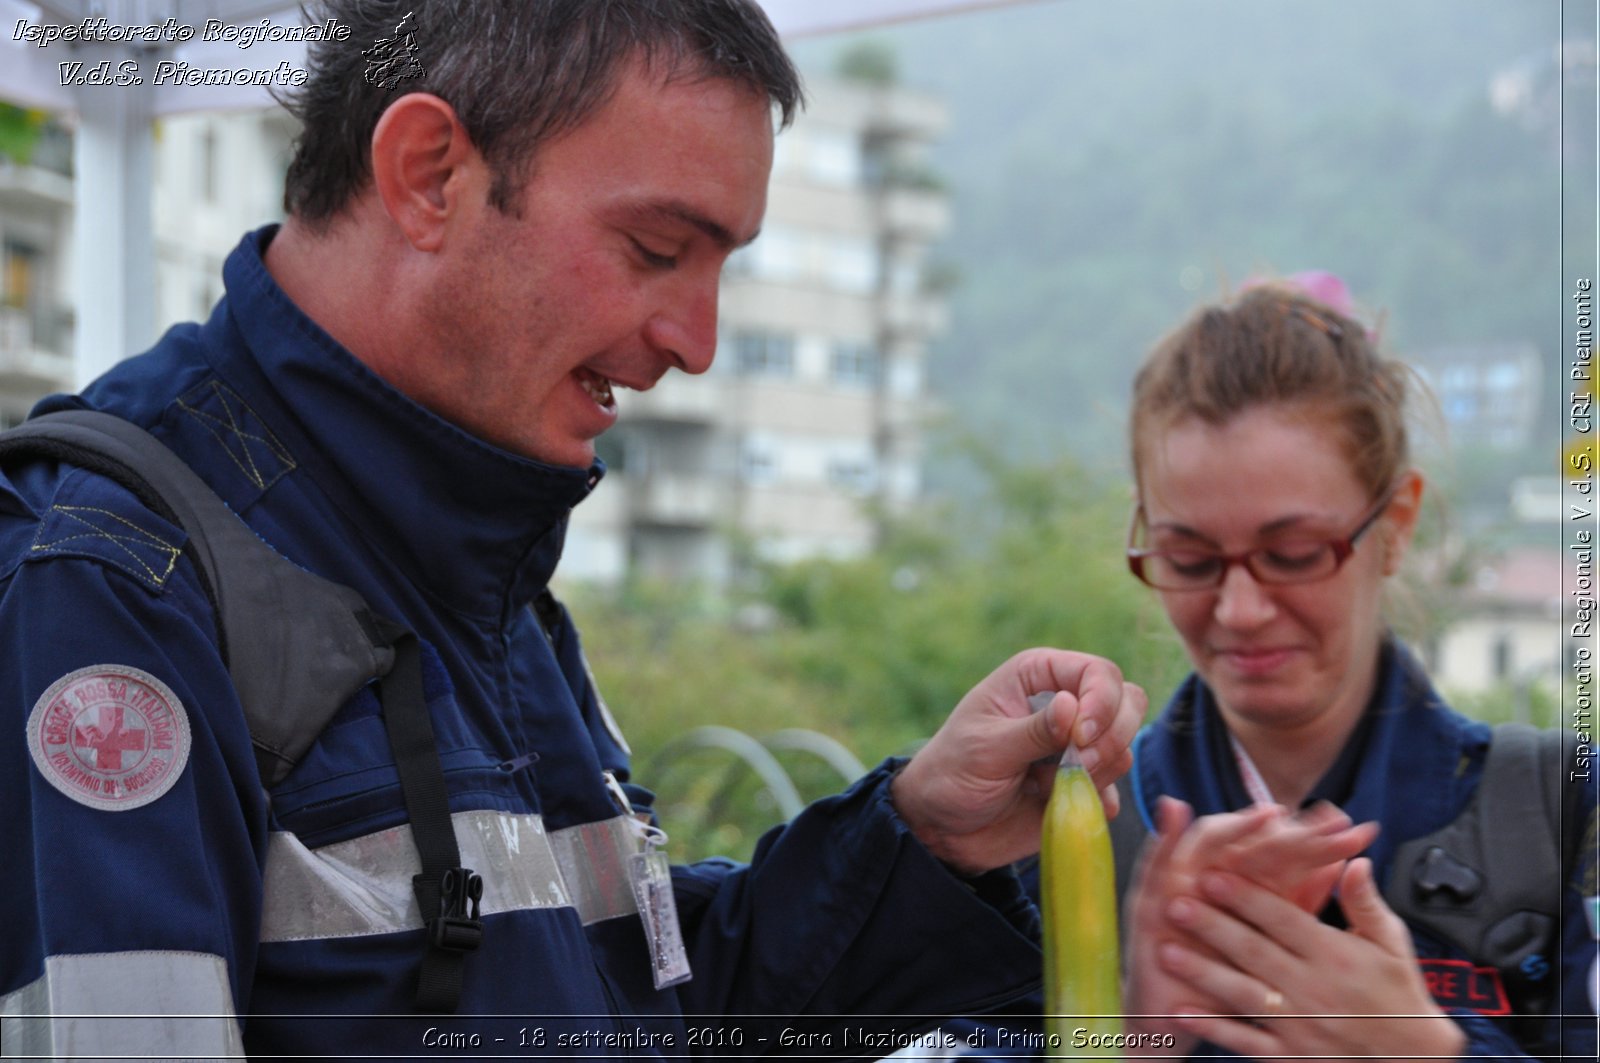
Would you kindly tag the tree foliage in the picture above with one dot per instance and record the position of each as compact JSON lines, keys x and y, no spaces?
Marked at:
{"x":869,"y":62}
{"x":20,"y":129}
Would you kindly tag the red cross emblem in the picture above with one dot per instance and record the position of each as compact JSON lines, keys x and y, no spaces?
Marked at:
{"x":109,"y":736}
{"x":110,"y":739}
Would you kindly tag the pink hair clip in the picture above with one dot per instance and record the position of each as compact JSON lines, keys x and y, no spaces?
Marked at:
{"x":1327,"y":288}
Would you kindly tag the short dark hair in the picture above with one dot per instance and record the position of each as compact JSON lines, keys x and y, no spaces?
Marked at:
{"x":516,"y":72}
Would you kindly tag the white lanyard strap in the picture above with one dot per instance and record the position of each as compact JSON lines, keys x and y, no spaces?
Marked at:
{"x":1254,"y":784}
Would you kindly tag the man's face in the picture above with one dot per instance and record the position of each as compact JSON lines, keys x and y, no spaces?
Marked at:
{"x":608,"y":278}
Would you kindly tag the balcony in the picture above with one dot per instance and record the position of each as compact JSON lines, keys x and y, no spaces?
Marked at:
{"x":915,"y":315}
{"x":897,"y":112}
{"x":32,"y":351}
{"x":677,"y":500}
{"x":905,"y":419}
{"x":921,"y":214}
{"x":40,"y":191}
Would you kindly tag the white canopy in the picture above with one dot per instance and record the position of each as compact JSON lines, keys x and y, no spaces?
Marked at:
{"x":41,"y":66}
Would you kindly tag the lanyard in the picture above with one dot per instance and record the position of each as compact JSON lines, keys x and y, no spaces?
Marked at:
{"x":1254,"y":784}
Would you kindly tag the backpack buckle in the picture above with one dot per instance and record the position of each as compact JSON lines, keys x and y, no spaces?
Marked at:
{"x":457,"y":927}
{"x":1442,"y":876}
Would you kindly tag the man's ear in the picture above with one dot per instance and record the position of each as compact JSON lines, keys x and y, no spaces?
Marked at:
{"x":1399,"y":524}
{"x":422,"y":159}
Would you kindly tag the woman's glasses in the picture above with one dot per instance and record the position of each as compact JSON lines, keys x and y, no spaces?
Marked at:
{"x":1303,"y":560}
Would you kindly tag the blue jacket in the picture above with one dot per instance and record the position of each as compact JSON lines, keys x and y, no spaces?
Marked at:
{"x":150,"y":873}
{"x":1412,"y":765}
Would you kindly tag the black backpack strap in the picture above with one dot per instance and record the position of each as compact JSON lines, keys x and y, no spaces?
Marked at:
{"x":1490,"y":883}
{"x":447,"y":893}
{"x":1128,"y":833}
{"x":312,"y":645}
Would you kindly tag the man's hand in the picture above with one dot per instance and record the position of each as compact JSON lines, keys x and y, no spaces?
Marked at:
{"x":975,"y":794}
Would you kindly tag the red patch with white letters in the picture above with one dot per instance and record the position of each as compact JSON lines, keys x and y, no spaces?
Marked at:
{"x":109,"y":736}
{"x":1461,"y":984}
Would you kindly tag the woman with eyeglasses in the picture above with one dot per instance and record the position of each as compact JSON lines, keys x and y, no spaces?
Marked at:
{"x":1276,"y":498}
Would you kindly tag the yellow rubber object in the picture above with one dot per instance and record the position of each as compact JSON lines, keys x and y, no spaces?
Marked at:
{"x":1082,"y":980}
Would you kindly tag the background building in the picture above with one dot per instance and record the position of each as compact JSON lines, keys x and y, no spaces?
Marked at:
{"x":1488,"y":393}
{"x":1504,"y":629}
{"x":216,"y":177}
{"x":35,"y":226}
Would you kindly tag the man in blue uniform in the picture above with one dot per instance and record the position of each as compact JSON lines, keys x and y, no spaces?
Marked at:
{"x":400,"y":392}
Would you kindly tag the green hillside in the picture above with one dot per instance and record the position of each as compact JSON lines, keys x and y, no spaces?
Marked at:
{"x":1113,"y":163}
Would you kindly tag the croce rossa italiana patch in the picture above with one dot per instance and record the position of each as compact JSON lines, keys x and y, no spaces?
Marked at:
{"x":109,"y":736}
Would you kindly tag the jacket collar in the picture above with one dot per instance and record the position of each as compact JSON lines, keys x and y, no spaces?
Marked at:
{"x":478,"y":528}
{"x":1404,"y":765}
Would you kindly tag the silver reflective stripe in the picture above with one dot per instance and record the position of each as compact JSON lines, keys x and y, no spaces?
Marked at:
{"x":139,"y":1004}
{"x":594,"y":858}
{"x":363,"y":886}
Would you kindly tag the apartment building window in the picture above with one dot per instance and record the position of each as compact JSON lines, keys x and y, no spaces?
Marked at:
{"x":852,"y":474}
{"x":21,"y":270}
{"x":904,"y":277}
{"x":1502,"y":658}
{"x":905,"y":378}
{"x":1504,"y":376}
{"x":779,"y":256}
{"x":763,"y":353}
{"x":788,"y":255}
{"x":209,"y":163}
{"x":742,"y":263}
{"x":758,"y":464}
{"x":855,"y":365}
{"x":816,"y":153}
{"x":851,"y":264}
{"x":611,"y":448}
{"x":1458,"y":393}
{"x":834,"y":157}
{"x":1504,"y":386}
